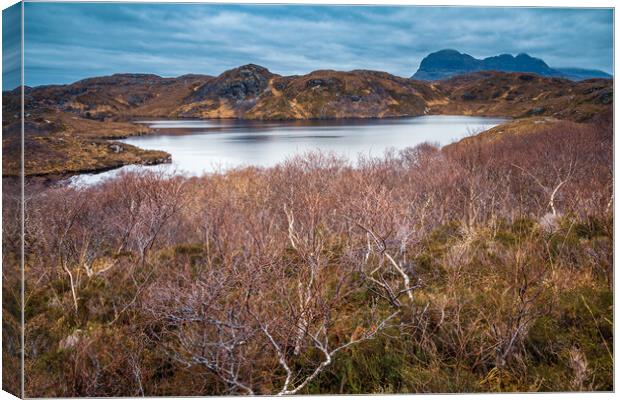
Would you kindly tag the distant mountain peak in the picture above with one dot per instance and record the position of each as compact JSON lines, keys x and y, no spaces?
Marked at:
{"x":448,"y":51}
{"x":446,"y":63}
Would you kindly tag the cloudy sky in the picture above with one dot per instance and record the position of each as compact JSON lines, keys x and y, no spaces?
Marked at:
{"x":11,"y":47}
{"x":68,"y":42}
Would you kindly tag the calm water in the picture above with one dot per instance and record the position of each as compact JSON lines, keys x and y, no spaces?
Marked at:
{"x":202,"y":146}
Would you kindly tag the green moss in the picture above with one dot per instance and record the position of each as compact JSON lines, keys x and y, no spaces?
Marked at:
{"x":372,"y":367}
{"x":189,"y":249}
{"x":593,"y":227}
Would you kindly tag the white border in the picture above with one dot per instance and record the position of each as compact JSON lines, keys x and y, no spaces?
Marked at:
{"x":483,"y":3}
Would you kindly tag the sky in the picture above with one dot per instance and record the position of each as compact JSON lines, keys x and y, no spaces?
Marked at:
{"x":11,"y":47}
{"x":65,"y":42}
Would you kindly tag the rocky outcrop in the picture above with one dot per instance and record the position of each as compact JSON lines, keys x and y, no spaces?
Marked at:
{"x":229,"y":95}
{"x":237,"y":84}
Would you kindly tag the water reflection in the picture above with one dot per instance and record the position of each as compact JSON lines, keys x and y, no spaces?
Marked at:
{"x":202,"y":146}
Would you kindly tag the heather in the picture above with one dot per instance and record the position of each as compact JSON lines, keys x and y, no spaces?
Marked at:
{"x":482,"y":266}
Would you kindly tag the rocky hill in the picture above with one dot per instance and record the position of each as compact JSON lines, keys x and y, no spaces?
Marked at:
{"x":333,"y":94}
{"x":448,"y":63}
{"x":523,"y":95}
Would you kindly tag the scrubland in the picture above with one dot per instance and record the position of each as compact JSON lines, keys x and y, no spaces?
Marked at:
{"x":483,"y":266}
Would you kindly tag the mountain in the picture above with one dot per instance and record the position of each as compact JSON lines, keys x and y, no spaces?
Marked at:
{"x":447,"y":63}
{"x":247,"y":92}
{"x":444,"y":64}
{"x":253,"y":92}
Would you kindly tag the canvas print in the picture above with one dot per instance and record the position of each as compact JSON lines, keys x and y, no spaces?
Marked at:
{"x":285,"y":199}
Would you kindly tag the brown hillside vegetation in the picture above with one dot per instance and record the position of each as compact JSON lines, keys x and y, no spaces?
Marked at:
{"x":524,"y":95}
{"x":70,"y":145}
{"x":485,"y":266}
{"x":252,"y":92}
{"x":104,"y":107}
{"x":518,"y":127}
{"x":332,"y":94}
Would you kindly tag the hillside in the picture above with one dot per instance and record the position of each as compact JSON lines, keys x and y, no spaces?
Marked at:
{"x":333,"y":94}
{"x":523,"y":95}
{"x":447,"y":63}
{"x":66,"y":124}
{"x":253,"y":92}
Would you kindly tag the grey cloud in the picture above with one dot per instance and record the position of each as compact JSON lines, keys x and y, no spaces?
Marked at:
{"x":76,"y":41}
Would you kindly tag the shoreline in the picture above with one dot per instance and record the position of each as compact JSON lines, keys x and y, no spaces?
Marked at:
{"x":365,"y":122}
